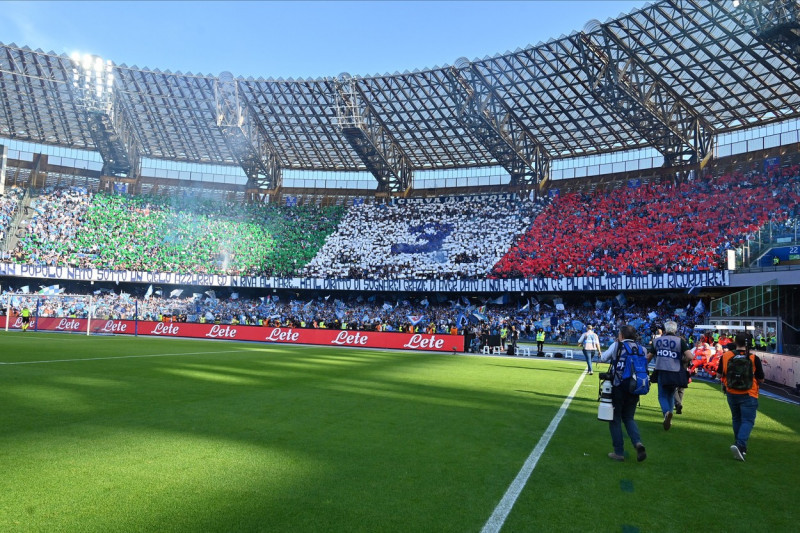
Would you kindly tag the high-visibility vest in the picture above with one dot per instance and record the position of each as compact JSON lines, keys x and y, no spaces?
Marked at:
{"x":540,"y":336}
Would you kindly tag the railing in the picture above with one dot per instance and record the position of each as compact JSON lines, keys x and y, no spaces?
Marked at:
{"x":769,"y":236}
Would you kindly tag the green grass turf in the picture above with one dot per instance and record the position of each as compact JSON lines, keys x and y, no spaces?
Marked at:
{"x":215,"y":436}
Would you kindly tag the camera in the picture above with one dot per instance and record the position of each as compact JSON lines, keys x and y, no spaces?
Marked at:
{"x":605,"y":411}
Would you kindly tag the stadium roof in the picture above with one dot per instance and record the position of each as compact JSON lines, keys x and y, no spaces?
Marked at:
{"x":705,"y":52}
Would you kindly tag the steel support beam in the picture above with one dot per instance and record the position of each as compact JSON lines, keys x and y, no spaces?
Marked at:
{"x":369,"y":137}
{"x":109,"y":122}
{"x":112,"y":132}
{"x":775,"y":23}
{"x":3,"y":165}
{"x":246,"y":136}
{"x":481,"y":110}
{"x":625,"y":85}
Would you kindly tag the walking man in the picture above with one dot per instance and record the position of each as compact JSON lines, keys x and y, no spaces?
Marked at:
{"x":590,"y":343}
{"x":622,"y":399}
{"x":741,"y":373}
{"x":672,"y":354}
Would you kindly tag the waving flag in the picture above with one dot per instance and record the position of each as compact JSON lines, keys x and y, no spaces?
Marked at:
{"x":699,"y":309}
{"x":415,"y":319}
{"x":52,"y":289}
{"x":500,"y":300}
{"x":175,"y":293}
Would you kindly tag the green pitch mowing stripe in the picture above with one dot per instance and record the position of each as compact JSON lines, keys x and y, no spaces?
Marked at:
{"x":216,"y":436}
{"x":689,"y":481}
{"x":261,"y":437}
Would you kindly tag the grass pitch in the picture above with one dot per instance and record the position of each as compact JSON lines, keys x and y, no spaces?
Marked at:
{"x":138,"y":434}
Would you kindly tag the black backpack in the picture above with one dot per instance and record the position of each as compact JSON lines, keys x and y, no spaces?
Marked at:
{"x":739,"y":372}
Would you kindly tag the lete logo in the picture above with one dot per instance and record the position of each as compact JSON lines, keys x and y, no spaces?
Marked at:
{"x":344,"y":338}
{"x":419,"y":342}
{"x":68,"y":324}
{"x":165,"y":329}
{"x":221,"y":332}
{"x":112,"y":326}
{"x":279,"y":335}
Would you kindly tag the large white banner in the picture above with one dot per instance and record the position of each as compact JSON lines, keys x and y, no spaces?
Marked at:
{"x":685,"y":280}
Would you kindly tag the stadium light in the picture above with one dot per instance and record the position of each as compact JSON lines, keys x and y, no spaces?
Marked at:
{"x":93,"y":80}
{"x":735,"y":3}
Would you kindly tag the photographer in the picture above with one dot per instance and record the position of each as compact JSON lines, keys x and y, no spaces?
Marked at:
{"x":672,"y":355}
{"x":623,"y":401}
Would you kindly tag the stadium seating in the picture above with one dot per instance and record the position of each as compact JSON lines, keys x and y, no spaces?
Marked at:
{"x":455,"y":239}
{"x":649,"y":229}
{"x":8,"y":209}
{"x":73,"y":227}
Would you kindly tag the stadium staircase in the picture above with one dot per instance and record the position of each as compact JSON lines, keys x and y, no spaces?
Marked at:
{"x":21,"y":219}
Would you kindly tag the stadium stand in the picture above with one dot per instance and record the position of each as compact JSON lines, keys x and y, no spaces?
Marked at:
{"x":562,"y":323}
{"x":637,"y":230}
{"x":8,"y":209}
{"x":461,"y":238}
{"x":72,"y":226}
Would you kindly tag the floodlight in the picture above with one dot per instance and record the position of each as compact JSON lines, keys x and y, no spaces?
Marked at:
{"x":735,"y":3}
{"x":462,"y":63}
{"x":592,"y":26}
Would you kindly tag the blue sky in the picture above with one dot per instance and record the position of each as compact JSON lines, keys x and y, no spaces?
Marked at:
{"x":294,"y":39}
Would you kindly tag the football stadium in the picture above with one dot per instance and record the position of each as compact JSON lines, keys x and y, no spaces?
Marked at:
{"x":421,"y":301}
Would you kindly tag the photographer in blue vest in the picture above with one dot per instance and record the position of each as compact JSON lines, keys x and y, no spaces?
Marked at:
{"x":622,"y":399}
{"x":672,"y":354}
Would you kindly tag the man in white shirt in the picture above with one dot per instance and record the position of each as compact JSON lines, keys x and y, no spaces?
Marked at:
{"x":590,"y":343}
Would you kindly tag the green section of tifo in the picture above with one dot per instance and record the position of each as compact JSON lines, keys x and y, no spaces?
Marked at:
{"x":174,"y":235}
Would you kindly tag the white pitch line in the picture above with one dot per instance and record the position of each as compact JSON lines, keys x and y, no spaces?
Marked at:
{"x":117,"y":357}
{"x":503,"y":508}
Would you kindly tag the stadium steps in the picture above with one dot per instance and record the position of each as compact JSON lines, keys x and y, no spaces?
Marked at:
{"x":21,"y":219}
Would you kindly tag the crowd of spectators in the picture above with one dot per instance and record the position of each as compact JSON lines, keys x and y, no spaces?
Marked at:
{"x":9,"y":203}
{"x":457,"y":238}
{"x":562,"y":323}
{"x":684,"y":227}
{"x":71,"y":226}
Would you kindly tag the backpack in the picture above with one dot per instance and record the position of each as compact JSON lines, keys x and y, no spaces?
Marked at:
{"x":635,"y":371}
{"x":739,"y":372}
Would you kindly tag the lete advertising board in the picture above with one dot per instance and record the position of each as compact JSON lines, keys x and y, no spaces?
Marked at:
{"x":319,"y":337}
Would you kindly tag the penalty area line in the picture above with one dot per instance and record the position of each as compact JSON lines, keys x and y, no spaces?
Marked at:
{"x":113,"y":357}
{"x":503,"y":508}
